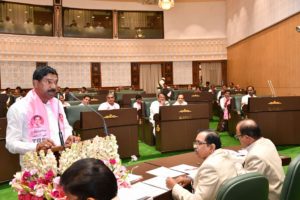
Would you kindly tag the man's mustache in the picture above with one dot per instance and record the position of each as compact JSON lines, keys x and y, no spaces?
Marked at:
{"x":52,"y":90}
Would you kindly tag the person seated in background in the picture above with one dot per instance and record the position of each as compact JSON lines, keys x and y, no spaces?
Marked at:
{"x":245,"y":98}
{"x":206,"y":87}
{"x":225,"y":103}
{"x":6,"y":91}
{"x":231,"y":86}
{"x":110,"y":103}
{"x":89,"y":179}
{"x":154,"y":108}
{"x":215,"y":169}
{"x":73,"y":24}
{"x":180,"y":101}
{"x":138,"y":102}
{"x":68,"y":96}
{"x":22,"y":95}
{"x":238,"y":89}
{"x":17,"y":91}
{"x":212,"y":89}
{"x":86,"y":100}
{"x":83,"y":90}
{"x":189,"y":87}
{"x":198,"y":90}
{"x":262,"y":156}
{"x":62,"y":100}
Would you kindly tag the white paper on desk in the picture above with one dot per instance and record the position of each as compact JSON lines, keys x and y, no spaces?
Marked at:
{"x":164,"y":172}
{"x":132,"y":178}
{"x":139,"y":191}
{"x":188,"y":169}
{"x":158,"y":181}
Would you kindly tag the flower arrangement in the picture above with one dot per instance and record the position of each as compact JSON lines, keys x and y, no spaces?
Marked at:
{"x":40,"y":178}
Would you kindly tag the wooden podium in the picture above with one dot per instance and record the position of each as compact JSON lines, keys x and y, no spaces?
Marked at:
{"x":176,"y":127}
{"x":278,"y":118}
{"x":9,"y":162}
{"x":122,"y":123}
{"x":201,"y":98}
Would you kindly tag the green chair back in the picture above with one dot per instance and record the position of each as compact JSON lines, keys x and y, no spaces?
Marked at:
{"x":250,"y":186}
{"x":291,"y":184}
{"x":73,"y":112}
{"x":74,"y":103}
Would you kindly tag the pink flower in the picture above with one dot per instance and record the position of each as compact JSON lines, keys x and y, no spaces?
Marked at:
{"x":112,"y":161}
{"x":49,"y":176}
{"x":26,"y":176}
{"x":32,"y":184}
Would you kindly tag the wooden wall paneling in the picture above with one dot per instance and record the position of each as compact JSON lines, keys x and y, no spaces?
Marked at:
{"x":196,"y":80}
{"x":272,"y":54}
{"x":167,"y":72}
{"x":135,"y":75}
{"x":96,"y":75}
{"x":41,"y":64}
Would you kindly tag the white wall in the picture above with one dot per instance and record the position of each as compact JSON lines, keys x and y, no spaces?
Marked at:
{"x":246,"y":17}
{"x":115,"y":74}
{"x":36,"y":2}
{"x":196,"y":20}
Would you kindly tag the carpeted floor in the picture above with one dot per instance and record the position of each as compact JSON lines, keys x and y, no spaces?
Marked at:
{"x":149,"y":153}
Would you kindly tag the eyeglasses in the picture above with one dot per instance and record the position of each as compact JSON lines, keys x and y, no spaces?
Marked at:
{"x":238,"y":136}
{"x":198,"y":143}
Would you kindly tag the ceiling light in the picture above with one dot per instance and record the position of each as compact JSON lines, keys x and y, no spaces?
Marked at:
{"x":166,"y":4}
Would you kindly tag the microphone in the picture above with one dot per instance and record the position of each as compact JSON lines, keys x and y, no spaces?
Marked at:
{"x":61,"y":138}
{"x":95,"y":111}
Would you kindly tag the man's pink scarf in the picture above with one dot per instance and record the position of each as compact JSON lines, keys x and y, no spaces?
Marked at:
{"x":226,"y":115}
{"x":37,"y":118}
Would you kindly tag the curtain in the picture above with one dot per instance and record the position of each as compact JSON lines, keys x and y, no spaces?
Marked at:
{"x":212,"y":72}
{"x":150,"y":74}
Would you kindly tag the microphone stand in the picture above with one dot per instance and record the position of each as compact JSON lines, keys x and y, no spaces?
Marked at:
{"x":95,"y":111}
{"x":61,"y":138}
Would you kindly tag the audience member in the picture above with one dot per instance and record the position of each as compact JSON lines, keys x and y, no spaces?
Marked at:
{"x":245,"y":98}
{"x":83,"y":90}
{"x":86,"y":100}
{"x":225,"y":103}
{"x":68,"y":94}
{"x":21,"y":136}
{"x":89,"y":179}
{"x":22,"y":95}
{"x":154,"y":108}
{"x":17,"y":91}
{"x":221,"y":92}
{"x":110,"y":103}
{"x":62,"y":100}
{"x":168,"y":92}
{"x":215,"y":169}
{"x":180,"y":101}
{"x":262,"y":156}
{"x":138,"y":102}
{"x":6,"y":91}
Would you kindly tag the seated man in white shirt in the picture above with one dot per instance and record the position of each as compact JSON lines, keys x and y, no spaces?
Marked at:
{"x":86,"y":100}
{"x":250,"y":94}
{"x":154,"y":107}
{"x":110,"y":103}
{"x":180,"y":101}
{"x":138,"y":102}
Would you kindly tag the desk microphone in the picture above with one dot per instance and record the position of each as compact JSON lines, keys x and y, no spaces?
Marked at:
{"x":95,"y":111}
{"x":61,"y":138}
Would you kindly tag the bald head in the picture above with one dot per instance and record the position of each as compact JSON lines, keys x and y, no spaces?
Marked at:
{"x":249,"y":127}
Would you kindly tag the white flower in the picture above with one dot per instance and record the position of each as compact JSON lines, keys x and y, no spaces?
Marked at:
{"x":133,"y":158}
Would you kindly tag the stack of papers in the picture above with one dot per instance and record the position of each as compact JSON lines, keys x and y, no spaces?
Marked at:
{"x":165,"y":172}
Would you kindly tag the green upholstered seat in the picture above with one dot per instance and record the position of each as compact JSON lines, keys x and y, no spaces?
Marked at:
{"x":250,"y":186}
{"x":73,"y":112}
{"x":74,"y":103}
{"x":291,"y":184}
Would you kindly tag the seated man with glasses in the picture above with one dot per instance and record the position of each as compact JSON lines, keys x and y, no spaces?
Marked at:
{"x":215,"y":169}
{"x":110,"y":103}
{"x":262,"y":156}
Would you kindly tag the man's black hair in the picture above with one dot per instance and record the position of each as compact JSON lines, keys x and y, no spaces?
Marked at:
{"x":40,"y":72}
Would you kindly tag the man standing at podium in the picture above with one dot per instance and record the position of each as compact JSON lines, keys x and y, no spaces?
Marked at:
{"x":38,"y":107}
{"x":262,"y":156}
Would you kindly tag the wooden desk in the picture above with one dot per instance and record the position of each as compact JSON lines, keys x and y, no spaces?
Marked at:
{"x":187,"y":158}
{"x":277,"y":117}
{"x":9,"y":162}
{"x":176,"y":126}
{"x":122,"y":123}
{"x":201,"y":98}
